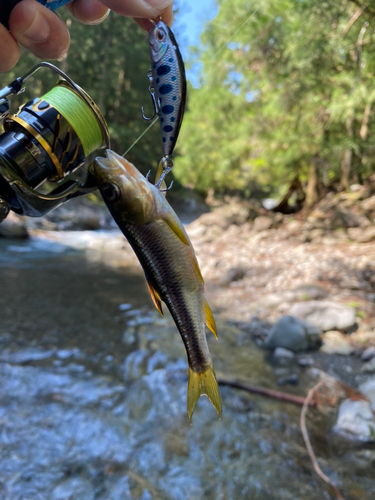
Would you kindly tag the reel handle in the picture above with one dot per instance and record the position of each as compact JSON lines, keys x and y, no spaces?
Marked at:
{"x":6,"y":7}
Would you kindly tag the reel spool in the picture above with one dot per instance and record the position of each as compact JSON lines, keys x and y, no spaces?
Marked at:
{"x":49,"y":138}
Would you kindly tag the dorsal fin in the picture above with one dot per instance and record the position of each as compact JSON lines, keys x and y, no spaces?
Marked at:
{"x":174,"y":223}
{"x":210,"y":321}
{"x":155,"y":297}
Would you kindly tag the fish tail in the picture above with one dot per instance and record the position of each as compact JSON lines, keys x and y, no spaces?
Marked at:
{"x":199,"y":384}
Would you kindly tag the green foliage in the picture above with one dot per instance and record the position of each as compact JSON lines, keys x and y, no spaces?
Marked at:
{"x":291,"y":87}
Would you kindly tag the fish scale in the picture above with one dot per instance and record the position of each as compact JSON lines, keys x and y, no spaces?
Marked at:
{"x":169,"y":83}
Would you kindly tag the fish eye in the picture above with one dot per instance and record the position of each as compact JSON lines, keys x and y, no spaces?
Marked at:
{"x":111,"y":192}
{"x":160,"y":35}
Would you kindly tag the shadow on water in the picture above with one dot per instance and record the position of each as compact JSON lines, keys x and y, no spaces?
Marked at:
{"x":93,"y":394}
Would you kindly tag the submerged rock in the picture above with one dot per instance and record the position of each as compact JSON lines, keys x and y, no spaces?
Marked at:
{"x":325,"y":315}
{"x":356,"y":421}
{"x":293,"y":334}
{"x":369,"y":366}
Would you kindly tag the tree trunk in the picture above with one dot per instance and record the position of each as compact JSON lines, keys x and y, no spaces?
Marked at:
{"x":346,"y":163}
{"x":312,"y":189}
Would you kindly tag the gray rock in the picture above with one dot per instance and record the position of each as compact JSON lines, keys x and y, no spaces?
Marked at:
{"x":293,"y":334}
{"x":233,"y":274}
{"x":369,"y":367}
{"x":344,"y":217}
{"x":310,"y":292}
{"x":262,"y":223}
{"x":325,"y":315}
{"x":336,"y":343}
{"x":368,"y":354}
{"x":14,"y":226}
{"x":282,"y":353}
{"x":356,"y":421}
{"x":306,"y":361}
{"x":368,"y":390}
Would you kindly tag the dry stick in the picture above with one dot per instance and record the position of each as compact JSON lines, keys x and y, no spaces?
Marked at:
{"x":306,"y":438}
{"x":282,"y":396}
{"x":352,"y":21}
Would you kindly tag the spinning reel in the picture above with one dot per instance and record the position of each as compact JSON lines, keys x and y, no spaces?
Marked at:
{"x":49,"y":138}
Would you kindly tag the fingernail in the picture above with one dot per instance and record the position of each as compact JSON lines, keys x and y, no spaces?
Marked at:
{"x":39,"y":30}
{"x":159,"y":5}
{"x":98,"y":21}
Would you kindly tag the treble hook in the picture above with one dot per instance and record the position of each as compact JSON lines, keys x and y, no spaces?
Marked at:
{"x":155,"y":103}
{"x":167,"y":167}
{"x":166,"y":189}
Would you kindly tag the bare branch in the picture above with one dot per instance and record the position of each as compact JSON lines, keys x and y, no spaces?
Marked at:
{"x":306,"y":438}
{"x":282,"y":396}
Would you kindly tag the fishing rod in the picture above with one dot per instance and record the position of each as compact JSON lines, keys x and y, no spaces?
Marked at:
{"x":49,"y":138}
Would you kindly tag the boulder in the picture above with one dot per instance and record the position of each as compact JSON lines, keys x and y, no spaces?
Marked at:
{"x":362,"y":235}
{"x":325,"y":315}
{"x":293,"y":334}
{"x":356,"y":421}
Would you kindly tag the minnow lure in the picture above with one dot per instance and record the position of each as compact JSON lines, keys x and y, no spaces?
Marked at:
{"x":168,"y":259}
{"x":167,"y":88}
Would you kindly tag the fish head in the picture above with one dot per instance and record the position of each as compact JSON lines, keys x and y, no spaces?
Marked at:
{"x":126,"y":192}
{"x":159,"y":40}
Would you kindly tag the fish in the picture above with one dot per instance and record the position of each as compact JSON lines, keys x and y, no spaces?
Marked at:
{"x":167,"y":257}
{"x":168,"y":83}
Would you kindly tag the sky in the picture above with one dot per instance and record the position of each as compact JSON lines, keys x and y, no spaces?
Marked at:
{"x":190,"y":21}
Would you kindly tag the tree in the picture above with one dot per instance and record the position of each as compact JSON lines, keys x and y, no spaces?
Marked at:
{"x":288,"y":93}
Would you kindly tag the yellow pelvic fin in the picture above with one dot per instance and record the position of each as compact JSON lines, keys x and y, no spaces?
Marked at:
{"x":163,"y":186}
{"x":199,"y":384}
{"x":155,"y":298}
{"x":210,"y":321}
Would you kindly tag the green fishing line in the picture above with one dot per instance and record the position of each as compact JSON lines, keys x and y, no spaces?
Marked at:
{"x":79,"y":116}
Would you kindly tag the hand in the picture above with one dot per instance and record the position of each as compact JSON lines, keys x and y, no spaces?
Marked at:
{"x":46,"y":35}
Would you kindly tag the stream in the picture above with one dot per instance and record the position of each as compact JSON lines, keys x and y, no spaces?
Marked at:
{"x":93,"y":393}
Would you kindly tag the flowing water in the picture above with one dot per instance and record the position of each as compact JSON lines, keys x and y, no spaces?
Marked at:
{"x":93,"y":394}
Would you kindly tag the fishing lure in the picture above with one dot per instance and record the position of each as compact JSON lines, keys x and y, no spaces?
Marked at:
{"x":167,"y":88}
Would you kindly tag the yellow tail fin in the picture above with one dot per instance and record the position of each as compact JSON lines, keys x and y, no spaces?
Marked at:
{"x":199,"y":384}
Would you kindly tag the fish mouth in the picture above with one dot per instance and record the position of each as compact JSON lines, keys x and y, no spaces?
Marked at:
{"x":111,"y":162}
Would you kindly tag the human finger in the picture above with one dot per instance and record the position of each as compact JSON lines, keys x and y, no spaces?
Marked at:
{"x":166,"y":15}
{"x":88,"y":11}
{"x":146,"y":9}
{"x":39,"y":30}
{"x":9,"y":50}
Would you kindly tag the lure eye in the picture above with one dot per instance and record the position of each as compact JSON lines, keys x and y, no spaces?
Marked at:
{"x":160,"y":35}
{"x":111,"y":192}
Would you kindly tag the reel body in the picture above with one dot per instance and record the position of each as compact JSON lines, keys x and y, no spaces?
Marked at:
{"x":47,"y":139}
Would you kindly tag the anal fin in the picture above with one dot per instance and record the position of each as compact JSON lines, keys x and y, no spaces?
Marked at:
{"x":155,"y":297}
{"x":210,"y":321}
{"x":200,"y":384}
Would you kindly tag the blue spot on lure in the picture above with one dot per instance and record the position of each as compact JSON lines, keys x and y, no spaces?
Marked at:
{"x":167,"y":88}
